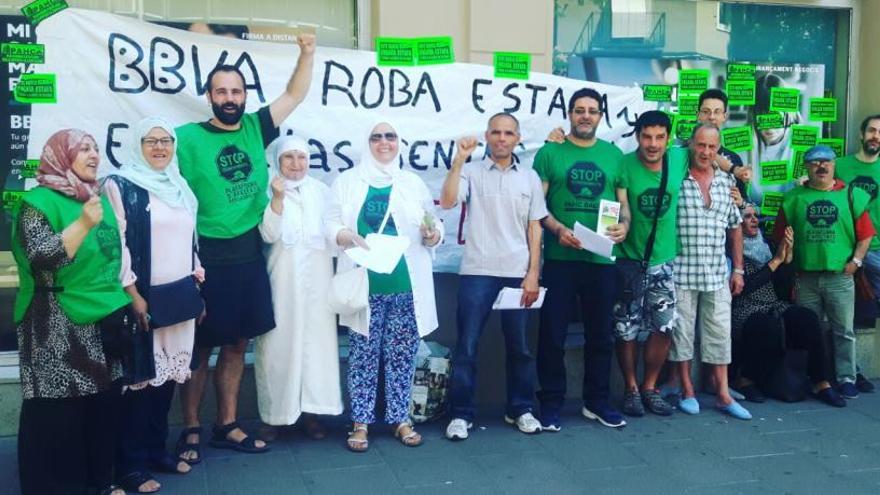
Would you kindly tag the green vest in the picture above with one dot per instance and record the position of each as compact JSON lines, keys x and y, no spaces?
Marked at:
{"x":824,"y":232}
{"x":91,"y":286}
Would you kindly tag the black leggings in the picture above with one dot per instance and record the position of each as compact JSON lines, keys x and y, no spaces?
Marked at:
{"x":65,"y":446}
{"x":761,"y":347}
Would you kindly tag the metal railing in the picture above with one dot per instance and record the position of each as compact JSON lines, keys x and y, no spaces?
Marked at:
{"x":648,"y":32}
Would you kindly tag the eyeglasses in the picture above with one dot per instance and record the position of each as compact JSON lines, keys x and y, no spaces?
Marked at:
{"x":153,"y":142}
{"x":389,"y":136}
{"x":717,"y":112}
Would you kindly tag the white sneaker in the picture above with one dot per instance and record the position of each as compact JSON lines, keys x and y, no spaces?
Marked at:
{"x":458,"y":429}
{"x":526,"y":423}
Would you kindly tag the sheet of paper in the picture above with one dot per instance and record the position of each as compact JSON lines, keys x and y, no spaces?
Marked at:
{"x":384,"y":253}
{"x":593,"y":242}
{"x":509,"y":298}
{"x":609,"y":214}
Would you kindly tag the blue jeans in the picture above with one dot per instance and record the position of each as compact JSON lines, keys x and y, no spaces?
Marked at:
{"x":596,"y":287}
{"x":476,"y":293}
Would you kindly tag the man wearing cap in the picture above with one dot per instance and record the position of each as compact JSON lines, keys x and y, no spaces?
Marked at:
{"x":832,"y":234}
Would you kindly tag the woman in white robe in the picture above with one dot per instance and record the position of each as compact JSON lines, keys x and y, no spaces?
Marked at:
{"x":297,"y":363}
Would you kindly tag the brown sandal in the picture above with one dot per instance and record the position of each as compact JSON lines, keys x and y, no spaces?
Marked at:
{"x":411,"y":439}
{"x":357,"y":444}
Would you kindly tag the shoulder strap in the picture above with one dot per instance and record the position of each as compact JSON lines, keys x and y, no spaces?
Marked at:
{"x":852,"y":208}
{"x":661,"y":192}
{"x":387,"y":215}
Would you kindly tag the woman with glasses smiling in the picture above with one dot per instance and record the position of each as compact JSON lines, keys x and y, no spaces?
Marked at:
{"x":377,"y":197}
{"x":156,"y":210}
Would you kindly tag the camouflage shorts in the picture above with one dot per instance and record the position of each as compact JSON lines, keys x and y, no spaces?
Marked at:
{"x":646,"y":302}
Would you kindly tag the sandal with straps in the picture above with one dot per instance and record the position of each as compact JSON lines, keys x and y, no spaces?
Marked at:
{"x":357,"y":444}
{"x":411,"y":439}
{"x":111,"y":490}
{"x":133,"y":481}
{"x":184,"y":446}
{"x":248,"y":445}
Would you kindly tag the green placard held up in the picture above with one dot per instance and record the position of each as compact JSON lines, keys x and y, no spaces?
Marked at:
{"x":29,"y":170}
{"x":684,"y":128}
{"x":40,"y":10}
{"x":771,"y":203}
{"x":740,"y":92}
{"x":657,"y":92}
{"x":737,"y":138}
{"x":797,"y":165}
{"x":11,"y":198}
{"x":512,"y":65}
{"x":36,"y":88}
{"x":395,"y":51}
{"x":688,"y":105}
{"x":740,"y":72}
{"x":693,"y":81}
{"x":803,"y":136}
{"x":22,"y":53}
{"x":770,"y":121}
{"x":785,"y":99}
{"x":823,"y":109}
{"x":836,"y":144}
{"x":775,"y":172}
{"x":433,"y":51}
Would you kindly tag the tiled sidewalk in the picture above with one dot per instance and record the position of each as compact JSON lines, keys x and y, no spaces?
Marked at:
{"x":799,"y":448}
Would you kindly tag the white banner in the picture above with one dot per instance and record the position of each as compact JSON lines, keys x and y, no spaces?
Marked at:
{"x":113,"y":71}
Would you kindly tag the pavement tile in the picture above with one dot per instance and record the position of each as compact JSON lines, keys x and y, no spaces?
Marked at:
{"x":362,"y":480}
{"x":331,"y":453}
{"x":600,"y":450}
{"x":257,"y":473}
{"x":528,"y":473}
{"x":692,"y":464}
{"x":438,"y":471}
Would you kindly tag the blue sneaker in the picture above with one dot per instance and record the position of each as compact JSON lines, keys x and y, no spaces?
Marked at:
{"x":848,"y":390}
{"x":735,"y":410}
{"x":689,"y":406}
{"x":550,"y":422}
{"x":602,"y":412}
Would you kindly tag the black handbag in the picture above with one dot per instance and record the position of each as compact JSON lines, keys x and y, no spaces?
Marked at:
{"x":117,"y":333}
{"x":175,"y":302}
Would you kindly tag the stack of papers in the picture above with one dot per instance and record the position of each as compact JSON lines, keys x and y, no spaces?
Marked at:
{"x":593,"y":242}
{"x":509,"y":298}
{"x":384,"y":253}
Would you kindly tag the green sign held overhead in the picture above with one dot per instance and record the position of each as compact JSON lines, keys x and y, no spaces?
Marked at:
{"x":693,"y":81}
{"x":737,"y":138}
{"x":395,"y":51}
{"x":22,"y":53}
{"x":798,"y":170}
{"x":784,"y":99}
{"x":684,"y":128}
{"x":823,"y":109}
{"x":433,"y":51}
{"x":740,"y":72}
{"x":803,"y":136}
{"x":36,"y":88}
{"x":770,"y":121}
{"x":740,"y":92}
{"x":773,"y":173}
{"x":688,"y":105}
{"x":29,"y":170}
{"x":835,"y":144}
{"x":512,"y":65}
{"x":657,"y":92}
{"x":11,"y":199}
{"x":771,"y":203}
{"x":40,"y":10}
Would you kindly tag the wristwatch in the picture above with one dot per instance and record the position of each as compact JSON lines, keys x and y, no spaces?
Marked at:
{"x":857,"y":262}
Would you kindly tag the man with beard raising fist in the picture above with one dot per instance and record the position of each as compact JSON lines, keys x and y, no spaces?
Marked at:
{"x":576,"y":174}
{"x":863,"y":170}
{"x":223,"y":160}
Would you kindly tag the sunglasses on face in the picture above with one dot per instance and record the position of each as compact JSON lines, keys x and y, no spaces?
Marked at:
{"x":153,"y":142}
{"x":389,"y":136}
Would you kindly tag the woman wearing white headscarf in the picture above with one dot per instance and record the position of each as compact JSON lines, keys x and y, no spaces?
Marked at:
{"x":156,"y":211}
{"x":296,"y":364}
{"x":401,"y":306}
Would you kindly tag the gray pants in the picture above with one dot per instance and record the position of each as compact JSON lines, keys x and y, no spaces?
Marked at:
{"x":832,"y":295}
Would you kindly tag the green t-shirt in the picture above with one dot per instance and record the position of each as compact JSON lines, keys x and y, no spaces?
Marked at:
{"x":824,"y":234}
{"x":642,"y":187}
{"x":867,"y":177}
{"x":368,"y":222}
{"x":227,"y":172}
{"x":577,"y":178}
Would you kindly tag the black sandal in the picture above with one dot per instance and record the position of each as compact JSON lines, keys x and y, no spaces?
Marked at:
{"x":132,"y":481}
{"x":247,"y":445}
{"x":184,"y":446}
{"x":168,"y":464}
{"x":110,"y":489}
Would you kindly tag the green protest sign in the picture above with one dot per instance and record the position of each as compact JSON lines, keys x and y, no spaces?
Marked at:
{"x":693,"y":81}
{"x":775,"y":172}
{"x":803,"y":136}
{"x":688,"y":105}
{"x":657,"y":92}
{"x":823,"y":109}
{"x":769,"y":227}
{"x":740,"y":72}
{"x":740,"y":92}
{"x":785,"y":99}
{"x":29,"y":170}
{"x":36,"y":88}
{"x":771,"y":203}
{"x":835,"y":143}
{"x":433,"y":51}
{"x":770,"y":121}
{"x":737,"y":138}
{"x":797,"y":165}
{"x":395,"y":51}
{"x":22,"y":53}
{"x":684,"y":128}
{"x":11,"y":198}
{"x":40,"y":10}
{"x":512,"y":65}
